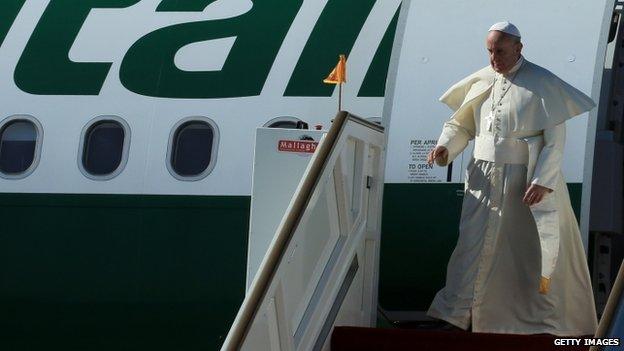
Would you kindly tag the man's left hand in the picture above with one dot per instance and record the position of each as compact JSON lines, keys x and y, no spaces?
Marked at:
{"x":534,"y":194}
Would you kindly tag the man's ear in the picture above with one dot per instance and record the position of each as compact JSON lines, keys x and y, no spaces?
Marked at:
{"x":519,"y":47}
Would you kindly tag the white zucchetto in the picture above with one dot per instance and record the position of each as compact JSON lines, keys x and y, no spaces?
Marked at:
{"x":506,"y":27}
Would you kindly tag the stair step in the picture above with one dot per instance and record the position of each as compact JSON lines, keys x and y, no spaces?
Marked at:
{"x":363,"y":339}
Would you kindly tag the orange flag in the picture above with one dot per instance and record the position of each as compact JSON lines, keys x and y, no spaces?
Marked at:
{"x":339,"y":73}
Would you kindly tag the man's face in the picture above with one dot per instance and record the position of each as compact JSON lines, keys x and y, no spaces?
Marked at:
{"x":504,"y":51}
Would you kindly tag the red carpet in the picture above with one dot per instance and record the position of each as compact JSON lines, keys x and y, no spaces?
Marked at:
{"x":363,"y":339}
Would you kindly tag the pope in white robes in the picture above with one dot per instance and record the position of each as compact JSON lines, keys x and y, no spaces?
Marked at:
{"x":519,"y":265}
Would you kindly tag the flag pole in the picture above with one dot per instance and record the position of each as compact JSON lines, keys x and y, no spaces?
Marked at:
{"x":340,"y":97}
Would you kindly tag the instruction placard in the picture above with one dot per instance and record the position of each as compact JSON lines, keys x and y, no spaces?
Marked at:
{"x":419,"y":171}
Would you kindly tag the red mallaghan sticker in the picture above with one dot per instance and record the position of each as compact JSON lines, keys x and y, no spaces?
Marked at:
{"x":297,"y":146}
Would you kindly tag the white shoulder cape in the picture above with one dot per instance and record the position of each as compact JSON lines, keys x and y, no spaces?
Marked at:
{"x":546,"y":101}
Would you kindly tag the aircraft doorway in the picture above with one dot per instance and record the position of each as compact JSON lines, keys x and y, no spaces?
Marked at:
{"x":605,"y":224}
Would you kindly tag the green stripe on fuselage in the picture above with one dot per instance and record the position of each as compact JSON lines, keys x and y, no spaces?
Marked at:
{"x":113,"y":272}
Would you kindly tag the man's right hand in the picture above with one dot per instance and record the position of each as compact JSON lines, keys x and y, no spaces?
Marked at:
{"x":439,"y":154}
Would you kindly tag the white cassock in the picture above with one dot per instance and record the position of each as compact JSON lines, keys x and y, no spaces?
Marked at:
{"x":515,"y":269}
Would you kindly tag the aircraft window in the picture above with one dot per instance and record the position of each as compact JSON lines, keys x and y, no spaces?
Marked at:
{"x":104,"y":147}
{"x":192,"y":148}
{"x":19,"y":146}
{"x":283,"y":122}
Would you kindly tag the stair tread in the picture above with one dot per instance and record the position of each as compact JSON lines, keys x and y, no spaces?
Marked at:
{"x":378,"y":339}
